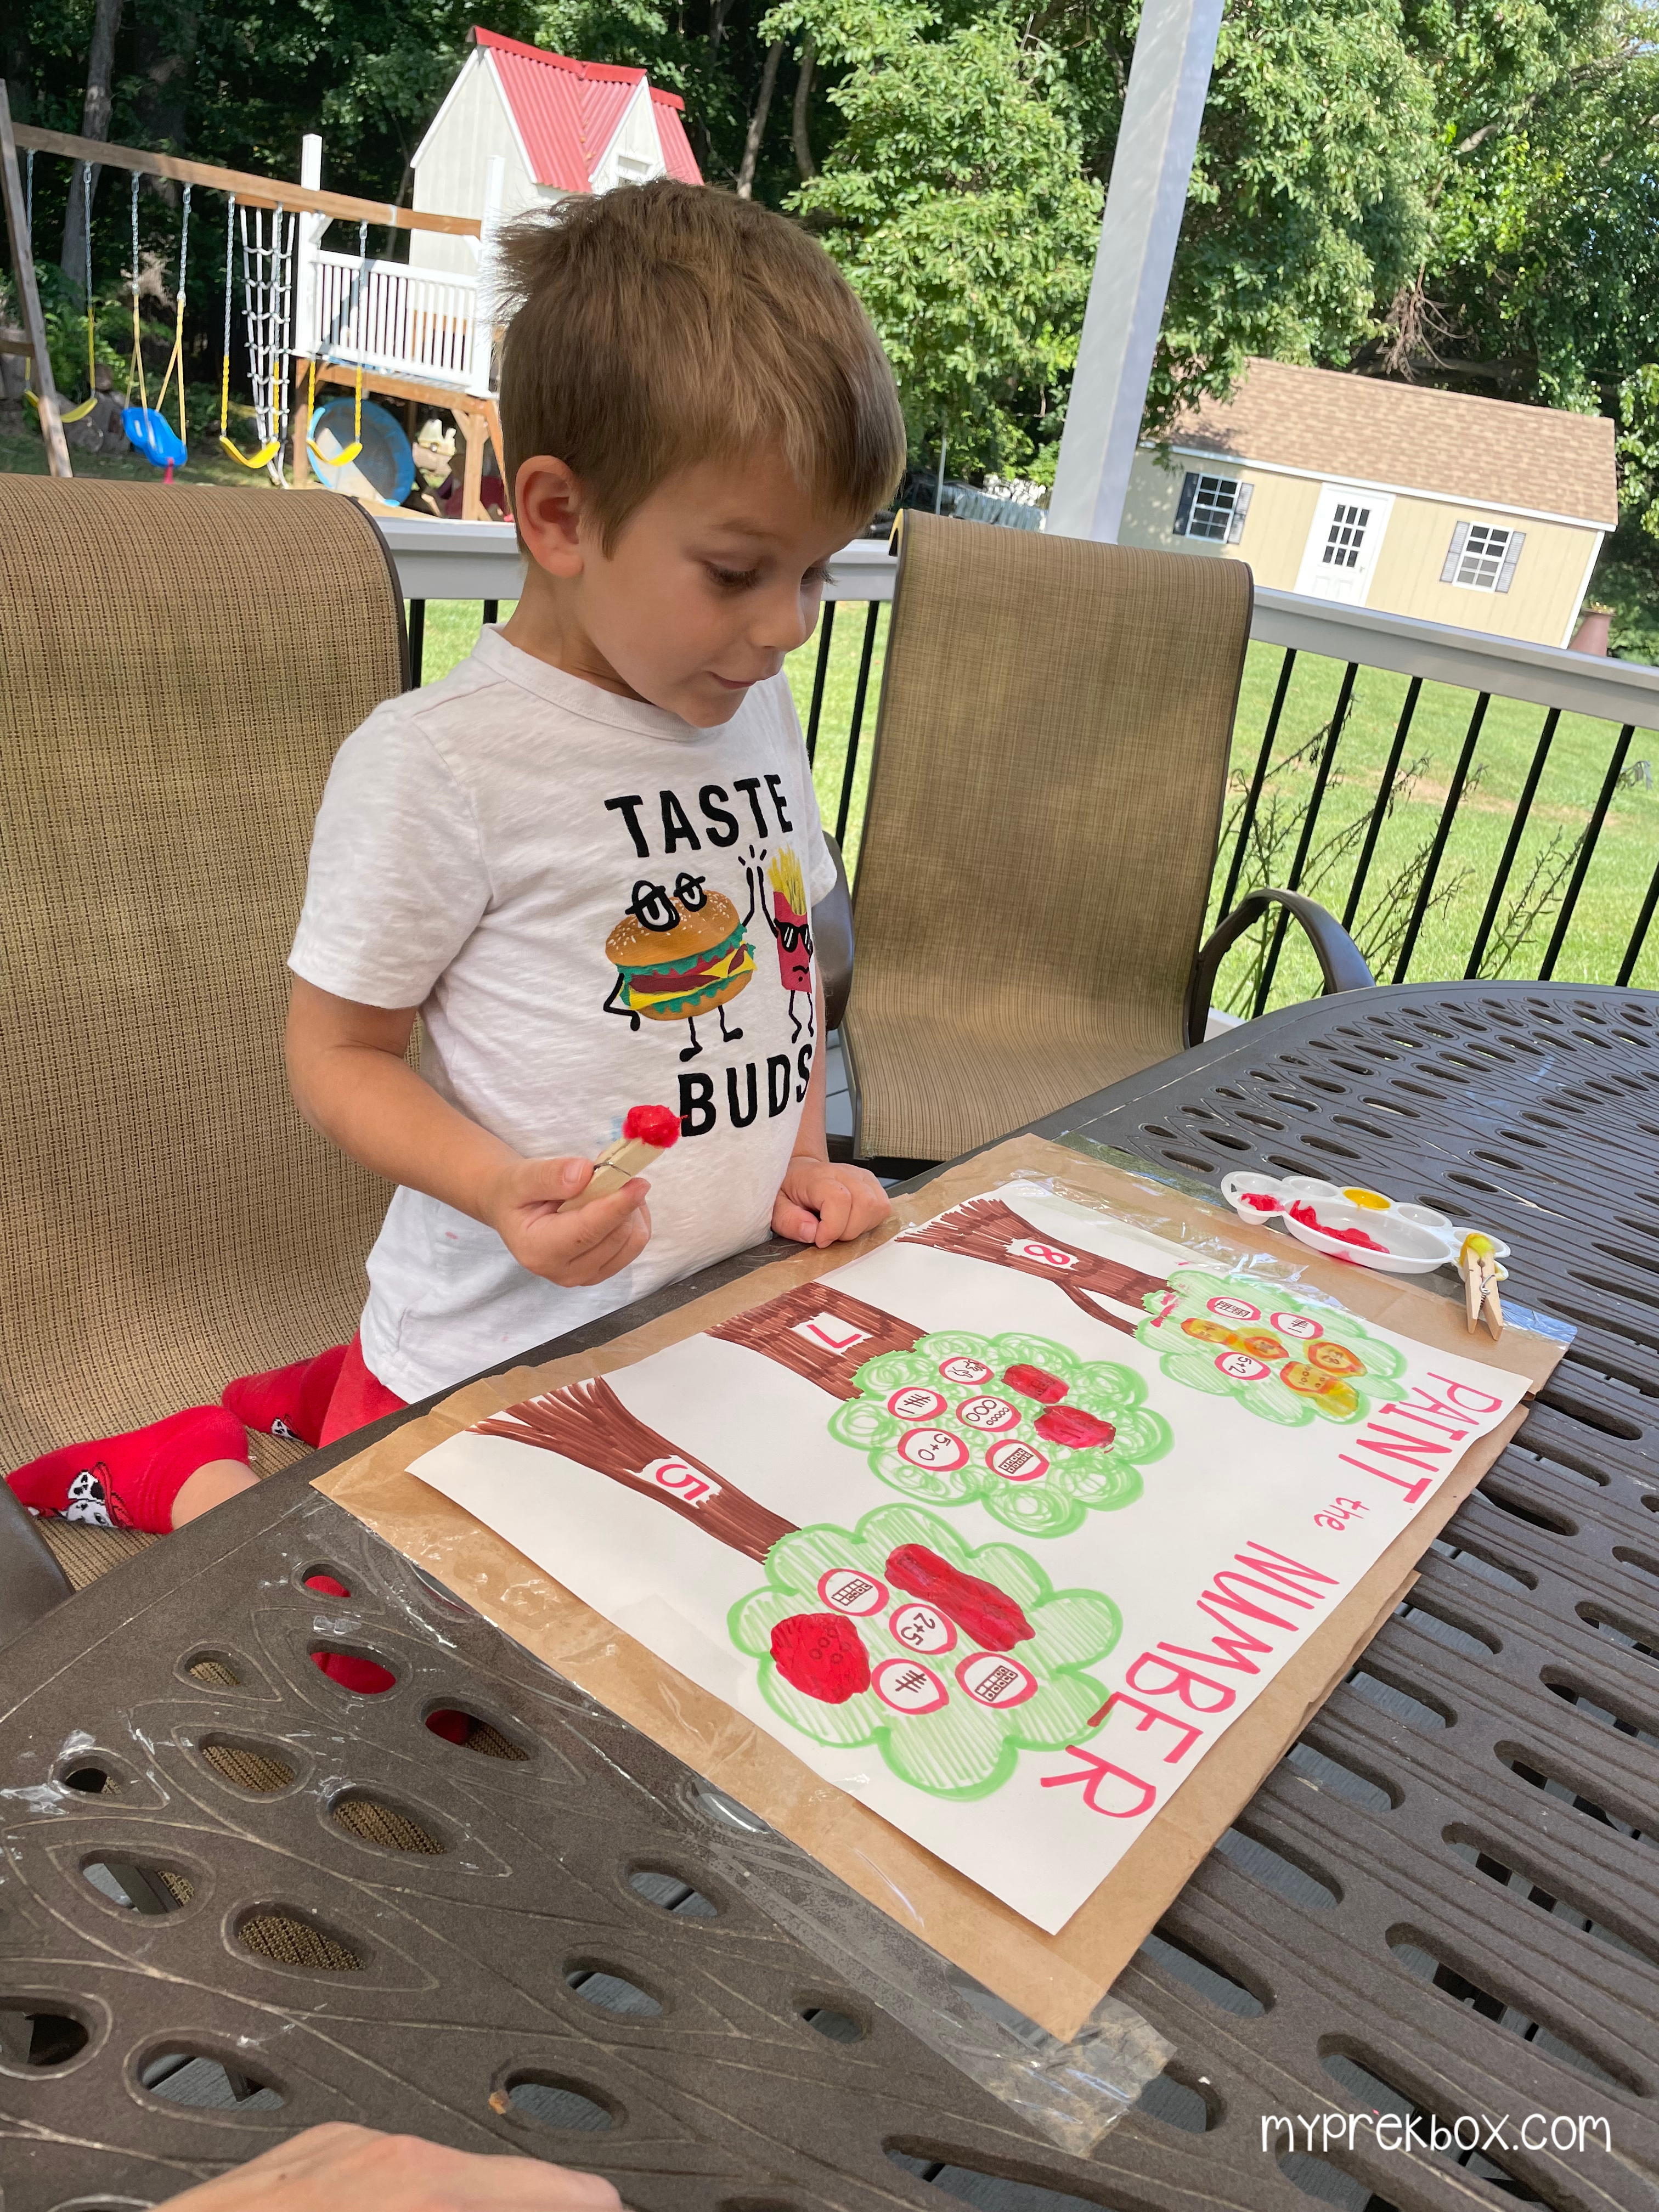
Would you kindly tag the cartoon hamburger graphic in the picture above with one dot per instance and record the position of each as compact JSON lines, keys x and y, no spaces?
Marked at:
{"x":678,"y":954}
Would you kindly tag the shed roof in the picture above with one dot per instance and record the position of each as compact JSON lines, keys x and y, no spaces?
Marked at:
{"x":1492,"y":453}
{"x":567,"y":111}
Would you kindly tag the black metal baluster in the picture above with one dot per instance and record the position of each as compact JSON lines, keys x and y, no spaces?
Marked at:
{"x":845,"y":806}
{"x":1309,"y":822}
{"x":1638,"y":935}
{"x":1252,"y":798}
{"x":417,"y":642}
{"x":491,"y":609}
{"x":826,"y":630}
{"x":1379,"y":812}
{"x":1424,"y":889}
{"x":1512,"y":844}
{"x":1587,"y":852}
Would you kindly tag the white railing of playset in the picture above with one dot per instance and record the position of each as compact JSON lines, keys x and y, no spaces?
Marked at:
{"x":392,"y":320}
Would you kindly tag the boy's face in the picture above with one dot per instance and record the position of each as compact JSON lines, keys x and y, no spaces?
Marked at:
{"x":714,"y":578}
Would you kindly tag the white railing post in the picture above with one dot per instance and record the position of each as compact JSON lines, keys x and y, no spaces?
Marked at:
{"x":308,"y":319}
{"x":479,"y":329}
{"x":1151,"y":167}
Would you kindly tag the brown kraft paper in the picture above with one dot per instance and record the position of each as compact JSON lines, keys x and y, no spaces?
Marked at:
{"x":1055,"y":1980}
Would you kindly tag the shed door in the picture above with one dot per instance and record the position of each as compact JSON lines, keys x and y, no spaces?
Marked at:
{"x":1343,"y":543}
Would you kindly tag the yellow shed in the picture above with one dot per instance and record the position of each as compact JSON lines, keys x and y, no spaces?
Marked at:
{"x":1479,"y":512}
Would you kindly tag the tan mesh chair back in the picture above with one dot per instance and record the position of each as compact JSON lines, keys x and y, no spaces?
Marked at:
{"x":1045,"y":801}
{"x":178,"y":668}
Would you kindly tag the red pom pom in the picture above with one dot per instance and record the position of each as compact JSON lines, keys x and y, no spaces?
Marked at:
{"x":1070,"y":1425}
{"x":822,"y":1654}
{"x":651,"y":1125}
{"x":1036,"y":1383}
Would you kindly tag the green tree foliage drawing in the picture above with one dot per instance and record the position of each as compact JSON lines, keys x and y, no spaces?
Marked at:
{"x":1038,"y":1436}
{"x":950,"y":1661}
{"x":1283,"y":1360}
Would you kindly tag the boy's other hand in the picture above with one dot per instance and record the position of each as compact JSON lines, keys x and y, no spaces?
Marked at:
{"x":571,"y":1249}
{"x":826,"y":1202}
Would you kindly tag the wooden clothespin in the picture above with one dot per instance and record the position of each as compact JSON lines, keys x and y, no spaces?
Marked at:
{"x":1478,"y":1263}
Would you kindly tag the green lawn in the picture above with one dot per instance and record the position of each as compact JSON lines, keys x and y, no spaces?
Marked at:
{"x":1577,"y":766}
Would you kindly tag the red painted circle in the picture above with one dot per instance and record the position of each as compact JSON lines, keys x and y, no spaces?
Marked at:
{"x":849,"y":1589}
{"x":989,"y":1415}
{"x":914,"y":1404}
{"x":921,"y":1628}
{"x":1015,"y":1461}
{"x":935,"y":1449}
{"x":907,"y":1687}
{"x":1239,"y":1367}
{"x":962,"y":1369}
{"x":993,"y":1679}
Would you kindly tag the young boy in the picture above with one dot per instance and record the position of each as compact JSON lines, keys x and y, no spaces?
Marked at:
{"x":575,"y":858}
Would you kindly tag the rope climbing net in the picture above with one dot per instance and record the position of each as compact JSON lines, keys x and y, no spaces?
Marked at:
{"x":268,"y":243}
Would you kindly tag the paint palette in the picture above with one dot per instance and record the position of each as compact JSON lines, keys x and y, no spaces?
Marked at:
{"x":1400,"y":1239}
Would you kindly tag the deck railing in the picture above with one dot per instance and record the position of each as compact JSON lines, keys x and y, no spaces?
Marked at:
{"x":1344,"y":713}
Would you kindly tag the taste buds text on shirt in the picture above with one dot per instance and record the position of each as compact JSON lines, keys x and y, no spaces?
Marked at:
{"x":720,"y":825}
{"x":746,"y":1089}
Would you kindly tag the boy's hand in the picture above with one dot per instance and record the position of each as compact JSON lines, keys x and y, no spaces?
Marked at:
{"x":826,"y":1202}
{"x":571,"y":1249}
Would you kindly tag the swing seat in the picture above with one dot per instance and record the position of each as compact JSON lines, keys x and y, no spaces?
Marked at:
{"x":154,"y":437}
{"x":266,"y":454}
{"x":64,"y":414}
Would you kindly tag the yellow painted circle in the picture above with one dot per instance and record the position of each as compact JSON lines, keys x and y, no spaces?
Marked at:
{"x":1373,"y":1199}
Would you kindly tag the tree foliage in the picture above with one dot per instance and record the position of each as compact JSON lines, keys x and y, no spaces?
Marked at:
{"x":1461,"y":190}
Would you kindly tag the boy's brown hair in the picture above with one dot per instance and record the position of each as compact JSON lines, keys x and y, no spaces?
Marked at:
{"x":662,"y":324}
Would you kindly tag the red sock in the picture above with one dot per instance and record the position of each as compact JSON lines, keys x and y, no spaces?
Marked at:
{"x":363,"y":1675}
{"x":131,"y":1481}
{"x":287,"y":1401}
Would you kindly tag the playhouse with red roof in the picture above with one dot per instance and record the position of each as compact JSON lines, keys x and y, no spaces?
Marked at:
{"x":556,"y":125}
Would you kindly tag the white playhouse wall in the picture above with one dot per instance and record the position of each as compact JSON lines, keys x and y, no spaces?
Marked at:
{"x":452,"y":166}
{"x":635,"y":154}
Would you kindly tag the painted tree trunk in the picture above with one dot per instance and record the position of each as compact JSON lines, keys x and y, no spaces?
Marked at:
{"x":985,"y":1229}
{"x":820,"y":1332}
{"x":588,"y":1422}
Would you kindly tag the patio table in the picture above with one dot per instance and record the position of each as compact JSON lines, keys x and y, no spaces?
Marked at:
{"x":1442,"y":1907}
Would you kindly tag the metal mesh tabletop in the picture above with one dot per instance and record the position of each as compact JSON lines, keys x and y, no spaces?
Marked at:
{"x":236,"y":1899}
{"x":1446,"y":1900}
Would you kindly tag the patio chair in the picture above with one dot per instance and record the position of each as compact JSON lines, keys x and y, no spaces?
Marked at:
{"x":1045,"y":802}
{"x":179,"y":668}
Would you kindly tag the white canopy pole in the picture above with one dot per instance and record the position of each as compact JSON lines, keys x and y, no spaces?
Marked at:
{"x":1151,"y":166}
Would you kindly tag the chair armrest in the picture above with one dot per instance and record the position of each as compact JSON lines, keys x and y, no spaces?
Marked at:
{"x":1341,"y":961}
{"x":832,"y":940}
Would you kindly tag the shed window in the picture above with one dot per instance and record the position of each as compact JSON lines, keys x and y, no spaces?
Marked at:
{"x":1346,"y":536}
{"x":1482,"y":557}
{"x":1212,"y":507}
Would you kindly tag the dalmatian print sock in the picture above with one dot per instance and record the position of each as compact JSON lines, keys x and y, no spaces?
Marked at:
{"x":288,"y":1401}
{"x":131,"y":1481}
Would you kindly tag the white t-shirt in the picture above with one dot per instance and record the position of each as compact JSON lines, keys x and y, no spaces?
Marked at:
{"x":595,"y":906}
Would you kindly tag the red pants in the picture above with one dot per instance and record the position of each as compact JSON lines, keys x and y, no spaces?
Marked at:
{"x":359,"y":1398}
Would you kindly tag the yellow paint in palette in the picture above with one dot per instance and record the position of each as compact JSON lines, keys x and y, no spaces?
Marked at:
{"x":1373,"y":1199}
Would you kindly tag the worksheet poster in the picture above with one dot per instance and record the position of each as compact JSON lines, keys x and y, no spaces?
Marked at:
{"x":998,"y":1527}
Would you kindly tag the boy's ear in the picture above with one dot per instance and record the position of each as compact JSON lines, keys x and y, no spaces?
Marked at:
{"x":547,"y":501}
